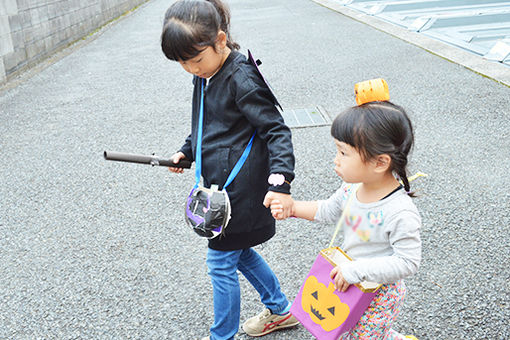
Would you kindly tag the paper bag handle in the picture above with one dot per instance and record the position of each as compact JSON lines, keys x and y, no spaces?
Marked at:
{"x":345,"y":212}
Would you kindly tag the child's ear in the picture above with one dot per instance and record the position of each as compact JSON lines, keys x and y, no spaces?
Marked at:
{"x":221,"y":41}
{"x":382,"y":163}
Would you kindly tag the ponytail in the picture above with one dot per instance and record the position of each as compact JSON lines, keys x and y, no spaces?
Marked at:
{"x":399,"y":157}
{"x":399,"y":166}
{"x":224,"y":13}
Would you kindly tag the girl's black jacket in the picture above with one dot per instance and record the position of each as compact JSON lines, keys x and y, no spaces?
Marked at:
{"x":237,"y":102}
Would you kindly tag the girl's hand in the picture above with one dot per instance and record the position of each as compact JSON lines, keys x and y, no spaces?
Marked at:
{"x":277,"y":209}
{"x":176,"y":157}
{"x":337,"y":277}
{"x":284,"y":200}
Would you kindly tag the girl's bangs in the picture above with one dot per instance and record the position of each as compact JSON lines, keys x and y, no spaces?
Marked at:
{"x":346,"y":126}
{"x":178,"y":43}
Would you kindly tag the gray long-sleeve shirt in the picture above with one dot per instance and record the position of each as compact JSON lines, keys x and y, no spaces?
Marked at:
{"x":382,"y":237}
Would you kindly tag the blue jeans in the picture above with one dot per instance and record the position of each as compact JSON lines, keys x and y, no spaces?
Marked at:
{"x":223,"y":266}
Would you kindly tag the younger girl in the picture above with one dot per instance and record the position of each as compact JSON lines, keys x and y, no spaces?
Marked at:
{"x":237,"y":107}
{"x":381,"y":231}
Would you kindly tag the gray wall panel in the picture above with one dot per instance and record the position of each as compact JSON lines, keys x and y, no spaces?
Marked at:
{"x":31,"y":30}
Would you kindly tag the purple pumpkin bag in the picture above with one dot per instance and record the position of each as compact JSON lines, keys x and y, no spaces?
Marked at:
{"x":324,"y":311}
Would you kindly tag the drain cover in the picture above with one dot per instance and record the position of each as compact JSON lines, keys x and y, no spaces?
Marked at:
{"x":296,"y":118}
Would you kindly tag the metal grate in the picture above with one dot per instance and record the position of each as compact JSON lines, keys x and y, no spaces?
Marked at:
{"x":297,"y":118}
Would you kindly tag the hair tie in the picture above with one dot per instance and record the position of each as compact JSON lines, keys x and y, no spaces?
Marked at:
{"x":371,"y":91}
{"x":416,"y":175}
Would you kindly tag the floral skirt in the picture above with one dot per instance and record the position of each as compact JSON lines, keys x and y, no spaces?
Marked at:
{"x":376,"y":322}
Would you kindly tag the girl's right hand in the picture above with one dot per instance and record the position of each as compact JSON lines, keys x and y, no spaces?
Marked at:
{"x":176,"y":157}
{"x":277,"y":210}
{"x":283,"y":204}
{"x":340,"y":283}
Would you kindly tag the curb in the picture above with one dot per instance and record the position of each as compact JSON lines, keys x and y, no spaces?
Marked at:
{"x":492,"y":70}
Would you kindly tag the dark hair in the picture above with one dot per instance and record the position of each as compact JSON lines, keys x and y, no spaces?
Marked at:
{"x":192,"y":25}
{"x":378,"y":128}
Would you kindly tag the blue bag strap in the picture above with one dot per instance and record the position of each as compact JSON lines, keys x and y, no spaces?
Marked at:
{"x":240,"y":162}
{"x":198,"y":170}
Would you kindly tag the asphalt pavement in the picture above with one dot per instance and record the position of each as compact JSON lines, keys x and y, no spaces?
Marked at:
{"x":93,"y":249}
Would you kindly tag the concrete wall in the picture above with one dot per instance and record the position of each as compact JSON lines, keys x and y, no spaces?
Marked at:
{"x":31,"y":30}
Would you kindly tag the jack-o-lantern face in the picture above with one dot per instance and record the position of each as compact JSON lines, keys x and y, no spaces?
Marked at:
{"x":324,"y":307}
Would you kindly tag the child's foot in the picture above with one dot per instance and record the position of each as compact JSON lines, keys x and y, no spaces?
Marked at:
{"x":266,"y":322}
{"x":206,"y":338}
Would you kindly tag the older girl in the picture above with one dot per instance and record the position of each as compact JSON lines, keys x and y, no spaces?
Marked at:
{"x":237,"y":107}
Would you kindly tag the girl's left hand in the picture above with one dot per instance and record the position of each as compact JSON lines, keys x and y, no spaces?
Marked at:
{"x":337,"y":277}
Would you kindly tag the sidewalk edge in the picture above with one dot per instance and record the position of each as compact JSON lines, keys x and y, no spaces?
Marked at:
{"x":493,"y":70}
